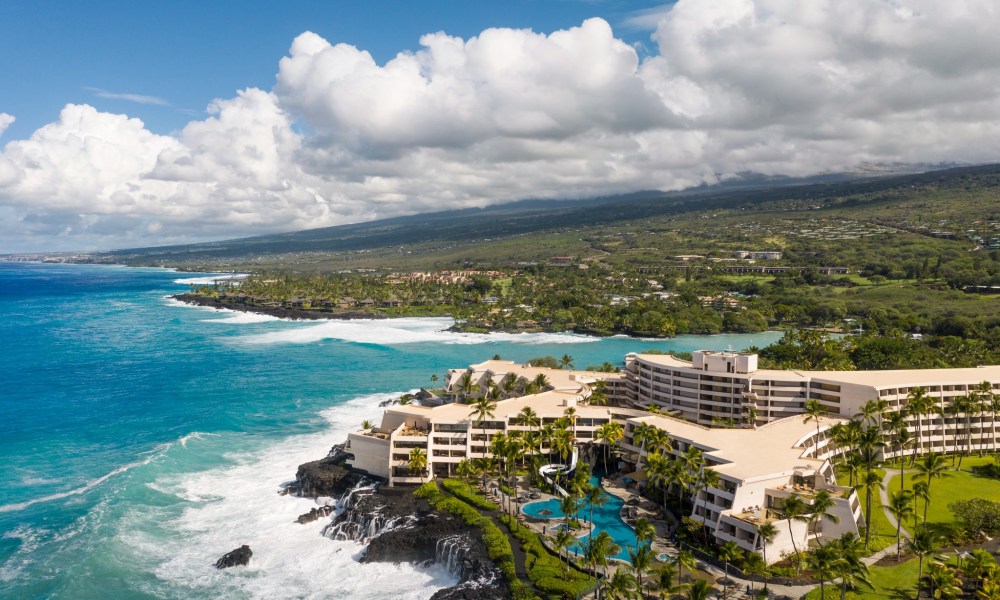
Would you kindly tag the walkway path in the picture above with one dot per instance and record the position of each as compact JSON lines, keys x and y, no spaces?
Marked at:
{"x":884,"y":496}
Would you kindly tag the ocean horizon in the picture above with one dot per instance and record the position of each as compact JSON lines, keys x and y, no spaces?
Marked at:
{"x":142,"y":438}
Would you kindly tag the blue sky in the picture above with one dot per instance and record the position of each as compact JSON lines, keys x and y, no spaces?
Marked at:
{"x":188,"y":53}
{"x":140,"y":123}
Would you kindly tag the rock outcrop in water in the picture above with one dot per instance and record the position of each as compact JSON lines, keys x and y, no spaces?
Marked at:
{"x":329,"y":476}
{"x":398,"y":526}
{"x":238,"y":557}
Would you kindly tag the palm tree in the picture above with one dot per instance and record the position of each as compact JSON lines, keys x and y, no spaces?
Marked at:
{"x":598,"y":393}
{"x":931,"y":467}
{"x":527,"y":418}
{"x":766,"y":532}
{"x":729,"y":552}
{"x":814,"y":411}
{"x":366,"y":424}
{"x":644,"y":531}
{"x":918,"y":403}
{"x":599,"y":548}
{"x":921,"y":491}
{"x":822,"y":561}
{"x":752,"y":565}
{"x":640,"y":559}
{"x":610,"y":433}
{"x":901,"y":507}
{"x":570,"y":413}
{"x":666,"y":581}
{"x":850,"y":566}
{"x":872,"y":481}
{"x":620,"y":586}
{"x":821,"y":504}
{"x":562,"y":540}
{"x":569,"y":507}
{"x":923,"y":542}
{"x":699,"y":590}
{"x":541,"y":382}
{"x":658,"y":469}
{"x":466,"y":386}
{"x":595,"y":496}
{"x":566,"y":362}
{"x":795,"y":509}
{"x":418,"y":463}
{"x":685,"y":559}
{"x":482,"y":409}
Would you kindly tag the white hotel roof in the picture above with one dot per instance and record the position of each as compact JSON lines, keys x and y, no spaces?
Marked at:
{"x":748,"y":454}
{"x":882,"y":379}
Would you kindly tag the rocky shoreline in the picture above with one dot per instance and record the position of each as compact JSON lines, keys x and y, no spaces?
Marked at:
{"x":280,"y":312}
{"x":398,"y":526}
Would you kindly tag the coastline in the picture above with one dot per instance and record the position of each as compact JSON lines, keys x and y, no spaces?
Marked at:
{"x":279,"y":312}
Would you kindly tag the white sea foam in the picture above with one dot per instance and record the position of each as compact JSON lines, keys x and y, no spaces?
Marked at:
{"x":209,"y":280}
{"x":83,"y":489}
{"x":29,"y":539}
{"x":401,"y":331}
{"x":236,"y":317}
{"x":238,"y":505}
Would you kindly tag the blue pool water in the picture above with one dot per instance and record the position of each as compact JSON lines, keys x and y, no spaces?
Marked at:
{"x":606,"y":517}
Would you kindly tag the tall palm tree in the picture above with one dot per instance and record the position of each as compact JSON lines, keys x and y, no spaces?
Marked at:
{"x":930,"y":468}
{"x":466,"y":386}
{"x":541,"y":381}
{"x":610,"y":433}
{"x":594,"y":496}
{"x":918,"y":403}
{"x":822,"y":502}
{"x":814,"y":411}
{"x":658,"y":469}
{"x":823,"y":563}
{"x":644,"y":531}
{"x":766,"y":532}
{"x":665,"y":581}
{"x":418,"y":463}
{"x":795,"y":509}
{"x":482,"y":409}
{"x":598,"y":393}
{"x":566,"y":362}
{"x":871,"y":481}
{"x":923,"y":542}
{"x":901,"y":507}
{"x":599,"y":548}
{"x":562,"y":540}
{"x":685,"y":560}
{"x":640,"y":559}
{"x":527,"y":418}
{"x":850,"y":566}
{"x":729,"y":552}
{"x":570,"y":413}
{"x":569,"y":505}
{"x":921,"y":491}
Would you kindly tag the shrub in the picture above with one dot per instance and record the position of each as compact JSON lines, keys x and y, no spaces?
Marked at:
{"x":465,"y":492}
{"x":977,"y":514}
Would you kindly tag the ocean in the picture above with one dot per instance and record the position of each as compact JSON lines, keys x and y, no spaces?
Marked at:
{"x":141,"y":439}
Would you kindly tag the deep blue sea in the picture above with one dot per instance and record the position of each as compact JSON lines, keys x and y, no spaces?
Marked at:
{"x":141,"y":439}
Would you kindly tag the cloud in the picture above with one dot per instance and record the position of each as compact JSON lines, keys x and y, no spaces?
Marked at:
{"x":772,"y":86}
{"x":137,"y":98}
{"x":5,"y":121}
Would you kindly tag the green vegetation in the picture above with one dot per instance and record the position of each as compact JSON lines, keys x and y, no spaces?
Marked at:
{"x":465,"y":492}
{"x":960,"y":485}
{"x":547,"y":572}
{"x":497,"y":545}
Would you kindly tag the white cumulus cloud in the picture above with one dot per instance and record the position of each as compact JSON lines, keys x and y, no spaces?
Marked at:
{"x":773,"y":86}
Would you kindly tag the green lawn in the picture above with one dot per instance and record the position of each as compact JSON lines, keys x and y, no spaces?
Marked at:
{"x":893,"y":582}
{"x":958,"y":485}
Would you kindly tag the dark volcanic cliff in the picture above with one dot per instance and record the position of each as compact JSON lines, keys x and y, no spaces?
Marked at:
{"x":398,"y":526}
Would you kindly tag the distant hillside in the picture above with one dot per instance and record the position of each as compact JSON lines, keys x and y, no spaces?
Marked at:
{"x":954,"y":199}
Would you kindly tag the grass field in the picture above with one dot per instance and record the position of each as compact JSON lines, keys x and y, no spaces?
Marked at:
{"x":958,"y":485}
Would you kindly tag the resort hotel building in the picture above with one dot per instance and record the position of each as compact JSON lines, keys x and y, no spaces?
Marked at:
{"x":747,"y":423}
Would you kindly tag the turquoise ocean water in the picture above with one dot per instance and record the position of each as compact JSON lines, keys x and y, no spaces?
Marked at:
{"x":141,"y":439}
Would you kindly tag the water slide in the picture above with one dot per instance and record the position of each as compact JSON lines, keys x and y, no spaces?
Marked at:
{"x":549,"y":471}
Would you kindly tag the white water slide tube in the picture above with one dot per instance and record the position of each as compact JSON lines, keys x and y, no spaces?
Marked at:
{"x":548,"y":471}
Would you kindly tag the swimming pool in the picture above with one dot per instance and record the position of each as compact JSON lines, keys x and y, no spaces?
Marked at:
{"x":606,"y":517}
